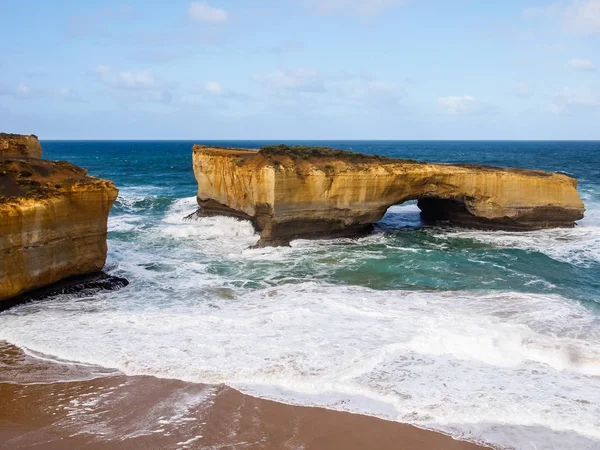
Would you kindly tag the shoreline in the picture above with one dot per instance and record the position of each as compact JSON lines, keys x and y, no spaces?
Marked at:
{"x":115,"y":411}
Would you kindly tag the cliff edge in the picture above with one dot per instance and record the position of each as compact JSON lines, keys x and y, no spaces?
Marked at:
{"x":53,"y":223}
{"x":308,"y":192}
{"x":20,"y":145}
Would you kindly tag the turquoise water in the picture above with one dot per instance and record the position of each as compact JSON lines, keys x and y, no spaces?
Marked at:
{"x":491,"y":336}
{"x":415,"y":258}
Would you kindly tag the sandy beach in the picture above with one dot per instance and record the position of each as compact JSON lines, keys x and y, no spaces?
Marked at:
{"x":300,"y":225}
{"x":49,"y":406}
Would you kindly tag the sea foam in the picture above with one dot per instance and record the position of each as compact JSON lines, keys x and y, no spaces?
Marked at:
{"x":516,"y":369}
{"x":439,"y":360}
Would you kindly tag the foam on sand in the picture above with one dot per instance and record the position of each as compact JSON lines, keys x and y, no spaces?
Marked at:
{"x":440,"y":360}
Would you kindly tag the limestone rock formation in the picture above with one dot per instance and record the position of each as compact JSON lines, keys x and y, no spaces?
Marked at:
{"x":53,"y":223}
{"x":292,"y":192}
{"x":20,"y":145}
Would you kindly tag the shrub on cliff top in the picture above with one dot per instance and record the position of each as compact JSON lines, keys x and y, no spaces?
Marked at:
{"x":307,"y":151}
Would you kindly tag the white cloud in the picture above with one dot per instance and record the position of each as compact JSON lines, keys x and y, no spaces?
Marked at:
{"x":65,"y":93}
{"x":308,"y":89}
{"x":521,"y":90}
{"x":583,"y":17}
{"x":140,"y":86}
{"x":287,"y":47}
{"x":99,"y":21}
{"x":215,"y":88}
{"x":62,"y":92}
{"x":578,"y":16}
{"x":125,"y":80}
{"x":371,"y":92}
{"x":23,"y":90}
{"x":204,"y":13}
{"x":458,"y":104}
{"x":582,"y":64}
{"x":541,"y":12}
{"x":352,"y":7}
{"x":303,"y":79}
{"x":568,"y":99}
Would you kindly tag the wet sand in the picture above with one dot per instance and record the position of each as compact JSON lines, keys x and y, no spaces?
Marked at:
{"x":93,"y":408}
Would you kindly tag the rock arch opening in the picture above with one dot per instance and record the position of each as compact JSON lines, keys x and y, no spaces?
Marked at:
{"x":401,"y":215}
{"x":429,"y":211}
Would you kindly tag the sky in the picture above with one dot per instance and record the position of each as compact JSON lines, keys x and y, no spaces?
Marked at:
{"x":300,"y":69}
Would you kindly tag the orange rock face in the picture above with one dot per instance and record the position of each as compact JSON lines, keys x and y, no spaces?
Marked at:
{"x":20,"y":145}
{"x":53,"y":223}
{"x":306,"y":196}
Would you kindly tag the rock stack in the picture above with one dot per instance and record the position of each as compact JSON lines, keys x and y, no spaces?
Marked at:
{"x":53,"y":220}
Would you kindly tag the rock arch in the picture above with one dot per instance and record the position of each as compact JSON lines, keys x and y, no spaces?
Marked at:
{"x":290,"y":194}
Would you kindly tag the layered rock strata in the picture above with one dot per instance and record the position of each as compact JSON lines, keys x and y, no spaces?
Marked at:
{"x":20,"y":145}
{"x":292,"y":192}
{"x":53,"y":223}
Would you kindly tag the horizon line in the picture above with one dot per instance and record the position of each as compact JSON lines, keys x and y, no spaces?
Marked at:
{"x":314,"y":140}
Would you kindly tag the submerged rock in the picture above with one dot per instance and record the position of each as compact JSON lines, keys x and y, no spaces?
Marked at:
{"x":308,"y":192}
{"x":79,"y":286}
{"x":53,"y":223}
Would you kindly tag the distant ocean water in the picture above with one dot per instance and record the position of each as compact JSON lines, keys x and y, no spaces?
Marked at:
{"x":488,"y":336}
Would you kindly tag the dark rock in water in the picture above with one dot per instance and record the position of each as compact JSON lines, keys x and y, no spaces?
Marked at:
{"x":80,"y":286}
{"x":214,"y":209}
{"x":193,"y":216}
{"x":93,"y":284}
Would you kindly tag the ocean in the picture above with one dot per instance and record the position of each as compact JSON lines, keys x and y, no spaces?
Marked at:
{"x":492,"y":337}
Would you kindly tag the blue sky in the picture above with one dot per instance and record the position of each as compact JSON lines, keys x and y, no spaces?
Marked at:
{"x":301,"y":69}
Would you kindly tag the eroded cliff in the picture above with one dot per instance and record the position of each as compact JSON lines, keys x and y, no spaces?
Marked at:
{"x":20,"y":145}
{"x":304,"y":193}
{"x":53,"y":223}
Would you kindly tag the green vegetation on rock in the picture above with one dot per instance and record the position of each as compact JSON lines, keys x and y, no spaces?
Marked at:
{"x":307,"y":151}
